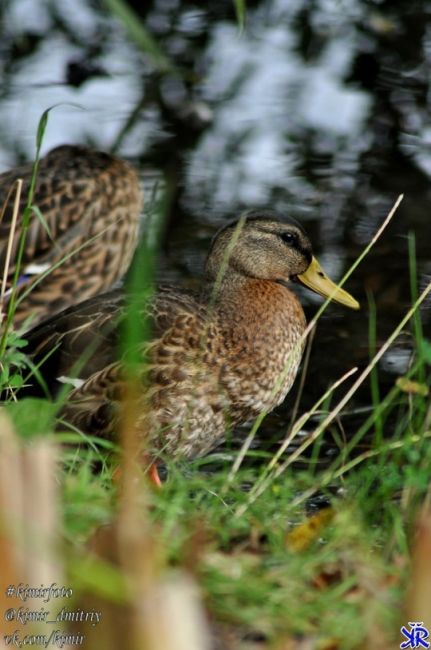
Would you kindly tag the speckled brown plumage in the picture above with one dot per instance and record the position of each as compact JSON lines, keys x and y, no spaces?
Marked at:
{"x":215,"y":360}
{"x":91,"y":202}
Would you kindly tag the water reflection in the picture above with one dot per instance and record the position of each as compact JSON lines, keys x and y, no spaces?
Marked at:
{"x":95,"y":111}
{"x":266,"y":95}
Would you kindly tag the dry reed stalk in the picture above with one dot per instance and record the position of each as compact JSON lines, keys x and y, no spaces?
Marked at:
{"x":168,"y":612}
{"x":161,"y":609}
{"x":18,"y":186}
{"x":418,"y":599}
{"x":174,"y":616}
{"x":30,"y":522}
{"x":11,"y":502}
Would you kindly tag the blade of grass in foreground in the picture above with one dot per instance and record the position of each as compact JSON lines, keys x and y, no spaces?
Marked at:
{"x":17,"y":186}
{"x":29,"y":210}
{"x":27,"y":213}
{"x":136,"y":332}
{"x":241,"y":13}
{"x":374,"y":376}
{"x":417,"y":323}
{"x":140,"y":35}
{"x":335,"y":470}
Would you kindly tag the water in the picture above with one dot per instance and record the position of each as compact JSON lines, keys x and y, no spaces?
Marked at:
{"x":319,"y":109}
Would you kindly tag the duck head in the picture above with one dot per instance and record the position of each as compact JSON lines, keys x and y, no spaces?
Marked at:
{"x":263,"y":245}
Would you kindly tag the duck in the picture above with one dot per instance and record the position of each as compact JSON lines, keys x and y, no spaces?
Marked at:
{"x":217,"y":358}
{"x":91,"y":203}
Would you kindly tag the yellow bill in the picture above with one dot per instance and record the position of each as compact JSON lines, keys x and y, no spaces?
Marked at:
{"x":316,"y":279}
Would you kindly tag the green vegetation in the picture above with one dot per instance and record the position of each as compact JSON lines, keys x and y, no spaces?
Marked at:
{"x":340,"y":579}
{"x":246,"y":525}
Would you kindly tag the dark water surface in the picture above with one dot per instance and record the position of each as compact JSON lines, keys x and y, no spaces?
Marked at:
{"x":320,"y":109}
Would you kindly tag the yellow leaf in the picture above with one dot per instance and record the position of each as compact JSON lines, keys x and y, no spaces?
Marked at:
{"x":304,"y":534}
{"x":412,"y":387}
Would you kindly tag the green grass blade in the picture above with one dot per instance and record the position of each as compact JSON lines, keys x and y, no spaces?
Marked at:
{"x":140,"y":35}
{"x":241,"y":13}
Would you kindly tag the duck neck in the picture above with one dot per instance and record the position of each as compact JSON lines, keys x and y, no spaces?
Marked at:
{"x":251,"y":309}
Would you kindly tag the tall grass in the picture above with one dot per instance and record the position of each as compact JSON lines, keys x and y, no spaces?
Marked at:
{"x":140,"y":35}
{"x":28,"y":212}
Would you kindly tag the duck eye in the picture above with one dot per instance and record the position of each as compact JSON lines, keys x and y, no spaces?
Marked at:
{"x":288,"y":237}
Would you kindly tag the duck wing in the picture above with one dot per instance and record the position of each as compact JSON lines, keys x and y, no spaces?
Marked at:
{"x":90,"y":202}
{"x":85,"y":338}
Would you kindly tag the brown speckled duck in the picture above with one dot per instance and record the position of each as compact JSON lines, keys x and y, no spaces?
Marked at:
{"x":91,"y":202}
{"x":217,"y":359}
